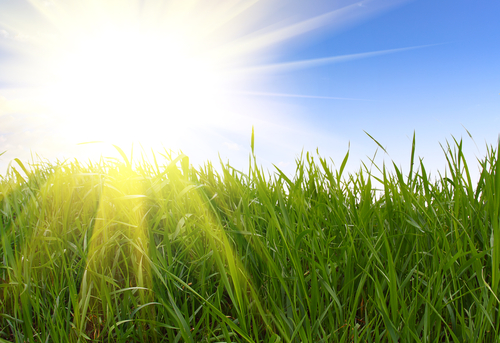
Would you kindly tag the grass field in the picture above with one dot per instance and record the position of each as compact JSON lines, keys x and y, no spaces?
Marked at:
{"x":116,"y":251}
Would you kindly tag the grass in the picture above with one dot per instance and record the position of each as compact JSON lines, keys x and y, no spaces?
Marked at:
{"x":163,"y":252}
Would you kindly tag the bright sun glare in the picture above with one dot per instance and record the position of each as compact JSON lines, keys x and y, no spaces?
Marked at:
{"x":125,"y":82}
{"x":157,"y":71}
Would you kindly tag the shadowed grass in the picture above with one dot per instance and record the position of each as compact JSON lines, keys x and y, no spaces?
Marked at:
{"x":164,"y":252}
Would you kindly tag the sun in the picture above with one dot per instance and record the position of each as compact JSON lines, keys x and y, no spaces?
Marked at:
{"x":126,"y":82}
{"x":172,"y":72}
{"x":158,"y":73}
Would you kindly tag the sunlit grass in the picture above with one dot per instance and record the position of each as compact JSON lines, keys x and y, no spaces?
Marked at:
{"x":160,"y":251}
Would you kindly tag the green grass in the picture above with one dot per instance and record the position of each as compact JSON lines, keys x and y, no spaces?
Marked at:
{"x":163,"y":252}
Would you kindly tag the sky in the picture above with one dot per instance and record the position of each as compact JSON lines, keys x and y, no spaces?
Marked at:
{"x":196,"y":76}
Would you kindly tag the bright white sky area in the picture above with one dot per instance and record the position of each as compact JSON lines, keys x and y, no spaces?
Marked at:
{"x":197,"y":75}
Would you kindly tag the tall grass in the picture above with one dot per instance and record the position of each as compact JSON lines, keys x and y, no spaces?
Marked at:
{"x":164,"y":252}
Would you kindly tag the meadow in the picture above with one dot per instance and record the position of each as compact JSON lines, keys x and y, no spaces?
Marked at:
{"x":124,"y":250}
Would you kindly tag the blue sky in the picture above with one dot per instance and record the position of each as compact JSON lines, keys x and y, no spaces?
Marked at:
{"x":306,"y":75}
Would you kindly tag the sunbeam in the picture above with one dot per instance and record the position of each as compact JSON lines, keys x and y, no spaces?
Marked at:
{"x":132,"y":71}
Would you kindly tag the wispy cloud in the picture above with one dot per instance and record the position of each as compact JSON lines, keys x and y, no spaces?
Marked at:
{"x":297,"y":27}
{"x":285,"y":95}
{"x":316,"y":62}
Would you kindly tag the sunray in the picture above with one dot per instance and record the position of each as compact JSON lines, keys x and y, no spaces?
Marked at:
{"x":117,"y":260}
